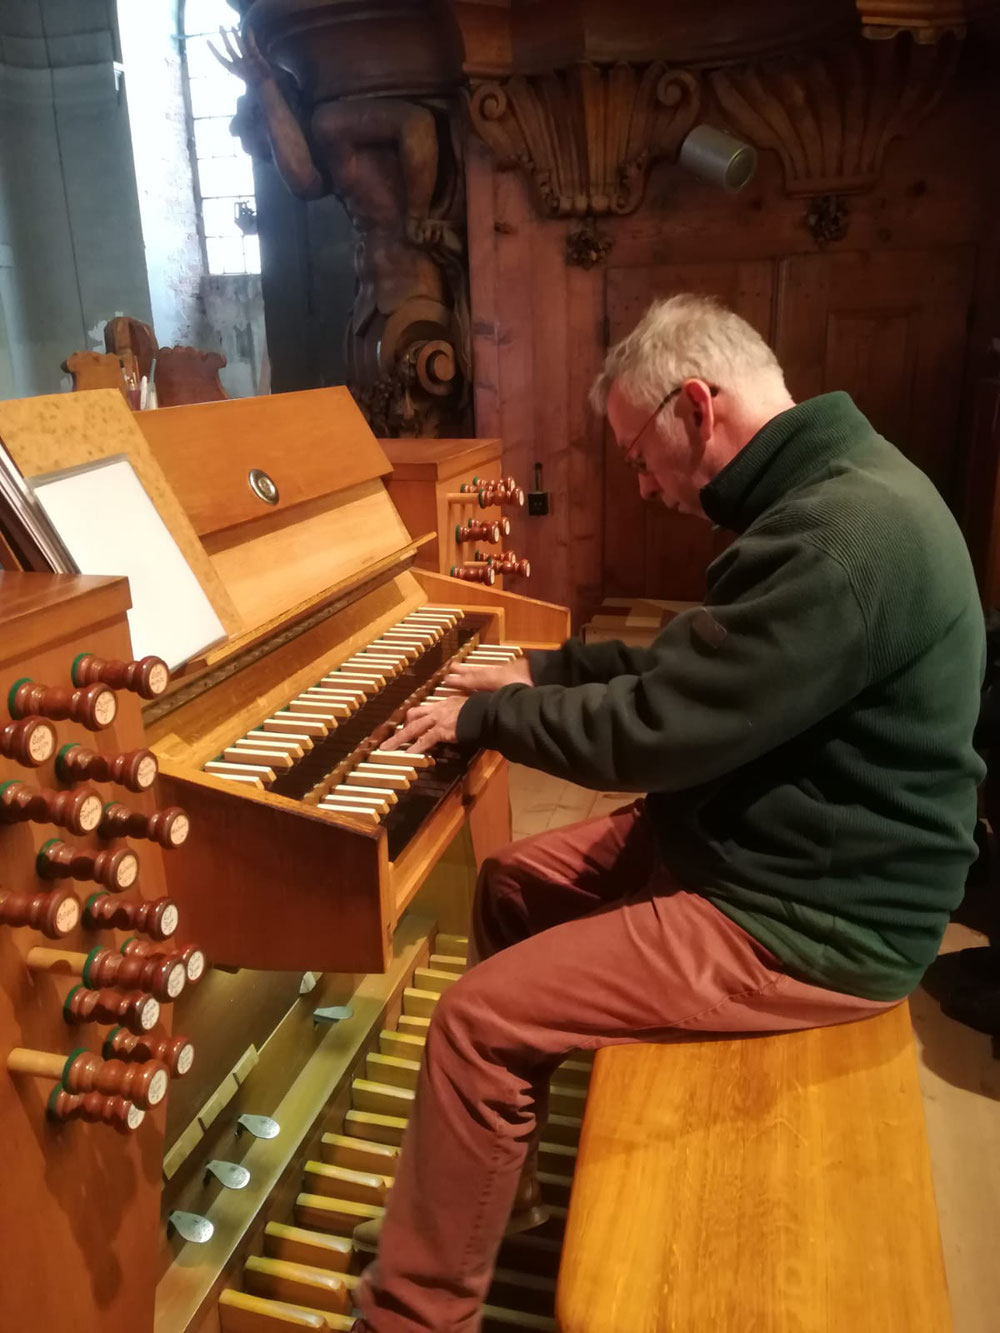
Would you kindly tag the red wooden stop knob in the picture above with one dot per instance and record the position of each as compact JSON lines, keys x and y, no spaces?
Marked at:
{"x":163,"y":977}
{"x":148,"y":677}
{"x":474,"y":573}
{"x":508,"y":563}
{"x":79,"y":811}
{"x":157,"y":918}
{"x":133,"y":1010}
{"x":31,"y":741}
{"x":93,"y":707}
{"x":122,"y":1115}
{"x":477,"y":530}
{"x":136,"y":769}
{"x":55,"y":914}
{"x":115,"y":870}
{"x":190,"y":955}
{"x":145,"y":1084}
{"x":176,"y":1053}
{"x":169,"y":826}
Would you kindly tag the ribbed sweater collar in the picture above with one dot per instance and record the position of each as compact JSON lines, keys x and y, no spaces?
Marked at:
{"x":792,"y":448}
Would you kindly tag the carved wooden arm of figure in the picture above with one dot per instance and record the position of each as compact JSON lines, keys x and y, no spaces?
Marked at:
{"x":292,"y":155}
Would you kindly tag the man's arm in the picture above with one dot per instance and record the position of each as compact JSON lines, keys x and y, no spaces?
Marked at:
{"x":579,"y":663}
{"x":726,"y":684}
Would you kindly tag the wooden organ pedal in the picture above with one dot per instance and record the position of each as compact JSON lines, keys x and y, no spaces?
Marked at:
{"x":248,"y":814}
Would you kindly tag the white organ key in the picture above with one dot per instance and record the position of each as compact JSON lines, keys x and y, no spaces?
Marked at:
{"x":429,"y":630}
{"x":241,"y":777}
{"x":377,"y":668}
{"x":358,"y":778}
{"x":328,"y":708}
{"x":406,"y":770}
{"x":395,"y":652}
{"x":225,"y":768}
{"x":293,"y":724}
{"x":377,"y":804}
{"x":355,"y":696}
{"x":357,"y":795}
{"x":257,"y":754}
{"x":389,"y":793}
{"x":357,"y":811}
{"x":414,"y":634}
{"x":296,"y":746}
{"x":401,"y":757}
{"x":347,"y":678}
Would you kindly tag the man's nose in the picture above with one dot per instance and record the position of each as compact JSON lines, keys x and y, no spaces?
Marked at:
{"x":647,"y":486}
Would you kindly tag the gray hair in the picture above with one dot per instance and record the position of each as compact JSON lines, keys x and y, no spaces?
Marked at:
{"x":681,"y":338}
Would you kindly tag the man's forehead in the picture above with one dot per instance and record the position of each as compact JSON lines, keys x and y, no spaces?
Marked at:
{"x":620,"y":405}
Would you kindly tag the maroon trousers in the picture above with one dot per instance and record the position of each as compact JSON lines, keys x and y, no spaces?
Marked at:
{"x":581,"y":940}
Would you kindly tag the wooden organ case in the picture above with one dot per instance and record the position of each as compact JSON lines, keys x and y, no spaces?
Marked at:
{"x":307,"y":849}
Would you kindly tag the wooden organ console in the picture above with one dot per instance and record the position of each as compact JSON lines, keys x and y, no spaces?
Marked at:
{"x":455,"y":486}
{"x":327,"y":882}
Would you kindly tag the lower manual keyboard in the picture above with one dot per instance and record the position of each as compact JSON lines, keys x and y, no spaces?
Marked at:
{"x":323,"y":746}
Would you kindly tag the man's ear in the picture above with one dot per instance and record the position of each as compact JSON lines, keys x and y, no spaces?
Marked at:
{"x":699,"y":408}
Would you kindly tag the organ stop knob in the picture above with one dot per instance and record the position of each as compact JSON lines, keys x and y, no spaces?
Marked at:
{"x":168,"y":827}
{"x":78,"y":811}
{"x":30,"y":741}
{"x":135,"y":769}
{"x":122,"y":1115}
{"x":144,"y":1084}
{"x":176,"y":1053}
{"x":55,"y":914}
{"x":133,"y":1010}
{"x":148,"y":677}
{"x":94,"y":707}
{"x":156,"y":918}
{"x":163,"y":977}
{"x":115,"y":870}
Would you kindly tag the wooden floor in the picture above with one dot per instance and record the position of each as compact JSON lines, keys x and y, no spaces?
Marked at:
{"x":959,"y":1076}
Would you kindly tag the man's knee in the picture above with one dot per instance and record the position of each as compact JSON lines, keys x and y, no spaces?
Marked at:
{"x":501,"y":869}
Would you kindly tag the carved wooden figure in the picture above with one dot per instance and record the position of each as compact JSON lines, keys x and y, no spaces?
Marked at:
{"x":391,"y":161}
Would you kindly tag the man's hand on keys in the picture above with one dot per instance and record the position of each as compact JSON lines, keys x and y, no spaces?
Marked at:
{"x":430,"y":724}
{"x":469,"y":678}
{"x":427,"y":725}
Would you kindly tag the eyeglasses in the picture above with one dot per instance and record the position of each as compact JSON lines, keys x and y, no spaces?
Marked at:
{"x":639,"y":464}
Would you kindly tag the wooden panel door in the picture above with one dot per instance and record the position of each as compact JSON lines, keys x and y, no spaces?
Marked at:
{"x":648,"y":550}
{"x":890,"y":328}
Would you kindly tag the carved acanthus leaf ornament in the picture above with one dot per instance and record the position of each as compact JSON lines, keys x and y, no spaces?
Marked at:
{"x":586,"y":136}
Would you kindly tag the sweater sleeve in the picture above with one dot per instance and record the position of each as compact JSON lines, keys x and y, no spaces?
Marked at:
{"x":783,"y":644}
{"x":579,"y":663}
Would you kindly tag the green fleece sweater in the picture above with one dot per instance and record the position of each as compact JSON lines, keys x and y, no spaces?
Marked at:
{"x":805,"y":737}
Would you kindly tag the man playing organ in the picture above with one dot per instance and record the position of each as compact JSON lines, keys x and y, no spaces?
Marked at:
{"x":805,"y":743}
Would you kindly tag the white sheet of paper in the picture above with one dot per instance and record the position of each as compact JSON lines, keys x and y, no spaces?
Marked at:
{"x":111,"y":526}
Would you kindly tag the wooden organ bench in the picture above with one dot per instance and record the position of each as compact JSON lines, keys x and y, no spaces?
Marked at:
{"x":776,"y":1184}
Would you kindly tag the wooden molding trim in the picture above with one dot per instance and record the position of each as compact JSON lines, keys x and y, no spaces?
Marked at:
{"x":830,"y":117}
{"x":925,"y":19}
{"x":586,"y":136}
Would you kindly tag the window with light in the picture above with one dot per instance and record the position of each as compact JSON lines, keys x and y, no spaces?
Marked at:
{"x":224,"y":174}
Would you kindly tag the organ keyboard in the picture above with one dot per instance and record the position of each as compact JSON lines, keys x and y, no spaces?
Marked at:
{"x":314,"y":857}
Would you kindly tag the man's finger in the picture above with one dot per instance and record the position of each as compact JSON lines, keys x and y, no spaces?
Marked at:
{"x":425,"y":741}
{"x":226,"y":64}
{"x":414,"y":727}
{"x":234,"y":53}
